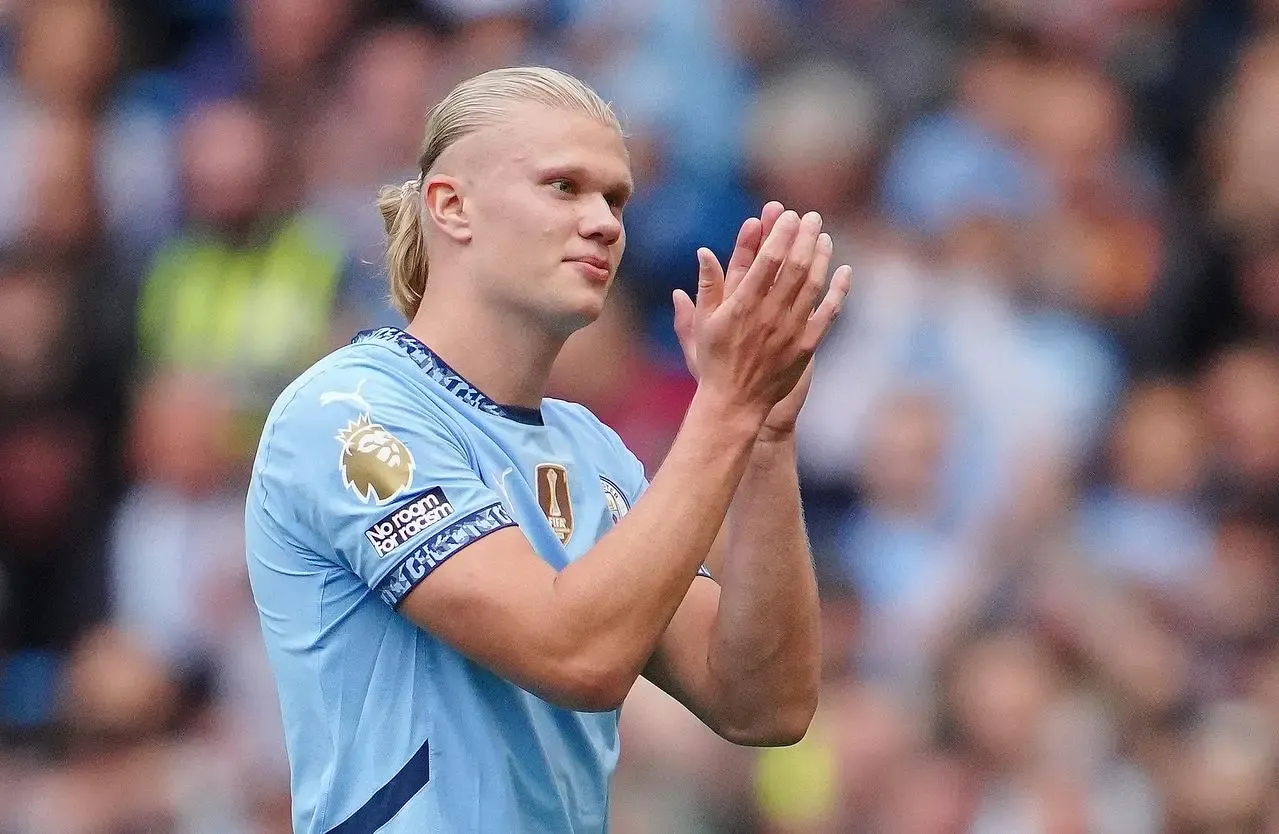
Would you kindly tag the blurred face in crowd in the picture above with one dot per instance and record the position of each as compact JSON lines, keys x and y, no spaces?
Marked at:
{"x":35,"y":309}
{"x":226,"y":157}
{"x":1241,"y":399}
{"x":1246,"y":138}
{"x":929,"y":795}
{"x":812,"y":133}
{"x":393,"y":72}
{"x":535,"y":201}
{"x":120,"y":771}
{"x":1158,"y":445}
{"x":44,"y":466}
{"x":871,"y":733}
{"x":181,"y":434}
{"x":1001,"y":691}
{"x":67,"y":51}
{"x":493,"y":40}
{"x":904,"y":455}
{"x":114,"y":687}
{"x":361,"y":136}
{"x":45,"y":457}
{"x":289,"y":38}
{"x":995,"y":87}
{"x":64,"y":192}
{"x":1227,"y":769}
{"x":1075,"y":127}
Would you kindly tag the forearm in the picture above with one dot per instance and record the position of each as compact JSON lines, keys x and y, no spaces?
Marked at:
{"x":764,"y":652}
{"x":613,"y":605}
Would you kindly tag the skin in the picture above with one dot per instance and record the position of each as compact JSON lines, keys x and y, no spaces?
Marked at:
{"x":529,"y":190}
{"x":541,"y":189}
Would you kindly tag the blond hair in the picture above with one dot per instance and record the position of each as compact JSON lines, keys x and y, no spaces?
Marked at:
{"x":475,"y":103}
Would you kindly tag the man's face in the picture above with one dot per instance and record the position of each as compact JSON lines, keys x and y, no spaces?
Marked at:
{"x":543,"y":195}
{"x":226,"y":161}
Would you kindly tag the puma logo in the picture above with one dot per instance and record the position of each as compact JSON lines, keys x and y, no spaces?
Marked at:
{"x":354,"y":397}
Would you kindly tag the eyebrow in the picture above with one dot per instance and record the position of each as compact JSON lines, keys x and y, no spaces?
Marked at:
{"x":622,"y":188}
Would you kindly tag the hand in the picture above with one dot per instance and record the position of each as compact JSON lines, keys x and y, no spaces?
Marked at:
{"x":780,"y":422}
{"x":791,"y":290}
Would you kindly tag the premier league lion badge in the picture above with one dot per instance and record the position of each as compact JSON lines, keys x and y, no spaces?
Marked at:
{"x":375,"y":464}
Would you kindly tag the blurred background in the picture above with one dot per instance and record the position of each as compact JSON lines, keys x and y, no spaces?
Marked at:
{"x":1040,"y":461}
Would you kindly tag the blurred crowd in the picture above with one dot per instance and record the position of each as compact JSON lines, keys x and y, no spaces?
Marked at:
{"x":1040,"y":460}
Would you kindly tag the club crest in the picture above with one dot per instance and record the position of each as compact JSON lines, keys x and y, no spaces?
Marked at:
{"x":374,"y":464}
{"x":553,"y":498}
{"x":614,"y":499}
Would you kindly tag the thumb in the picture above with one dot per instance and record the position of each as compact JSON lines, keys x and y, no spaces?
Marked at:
{"x":685,"y":317}
{"x":710,"y":282}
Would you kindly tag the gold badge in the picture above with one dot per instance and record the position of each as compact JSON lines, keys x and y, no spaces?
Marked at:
{"x":375,"y":465}
{"x":552,"y":496}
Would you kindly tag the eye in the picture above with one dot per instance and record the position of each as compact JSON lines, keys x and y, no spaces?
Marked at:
{"x":564,"y":186}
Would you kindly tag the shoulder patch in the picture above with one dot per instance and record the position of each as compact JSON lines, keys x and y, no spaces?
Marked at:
{"x":398,"y":527}
{"x":374,"y":463}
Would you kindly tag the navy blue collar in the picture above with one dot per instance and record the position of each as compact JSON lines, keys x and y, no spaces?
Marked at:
{"x":439,"y":370}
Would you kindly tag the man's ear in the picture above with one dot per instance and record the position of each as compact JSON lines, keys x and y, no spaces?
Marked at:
{"x":445,"y":207}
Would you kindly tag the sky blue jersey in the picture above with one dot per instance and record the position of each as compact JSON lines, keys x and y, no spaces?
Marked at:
{"x":375,"y":466}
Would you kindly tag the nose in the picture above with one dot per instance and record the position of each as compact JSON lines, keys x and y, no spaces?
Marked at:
{"x":599,"y":222}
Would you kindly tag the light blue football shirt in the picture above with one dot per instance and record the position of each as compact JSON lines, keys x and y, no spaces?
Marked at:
{"x":376,"y":465}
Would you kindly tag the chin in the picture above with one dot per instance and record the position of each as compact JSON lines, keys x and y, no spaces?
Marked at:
{"x":578,"y":319}
{"x":572,"y":318}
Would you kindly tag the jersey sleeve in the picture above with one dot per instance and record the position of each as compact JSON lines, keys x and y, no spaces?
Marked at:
{"x":380,"y":483}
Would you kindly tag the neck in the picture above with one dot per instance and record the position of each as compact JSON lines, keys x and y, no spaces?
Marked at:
{"x":504,"y":355}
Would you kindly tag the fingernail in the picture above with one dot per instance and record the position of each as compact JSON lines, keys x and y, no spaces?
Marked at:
{"x":813,"y":218}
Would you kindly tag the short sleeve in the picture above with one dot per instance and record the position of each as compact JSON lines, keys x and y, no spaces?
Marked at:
{"x":386,"y":486}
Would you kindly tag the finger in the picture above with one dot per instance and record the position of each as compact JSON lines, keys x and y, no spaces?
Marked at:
{"x":768,"y":217}
{"x":763,"y":270}
{"x":748,"y":242}
{"x":793,"y":275}
{"x":811,"y":291}
{"x":685,"y":317}
{"x":710,"y":282}
{"x":819,"y":323}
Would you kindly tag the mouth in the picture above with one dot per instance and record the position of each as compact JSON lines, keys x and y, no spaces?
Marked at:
{"x":599,"y":268}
